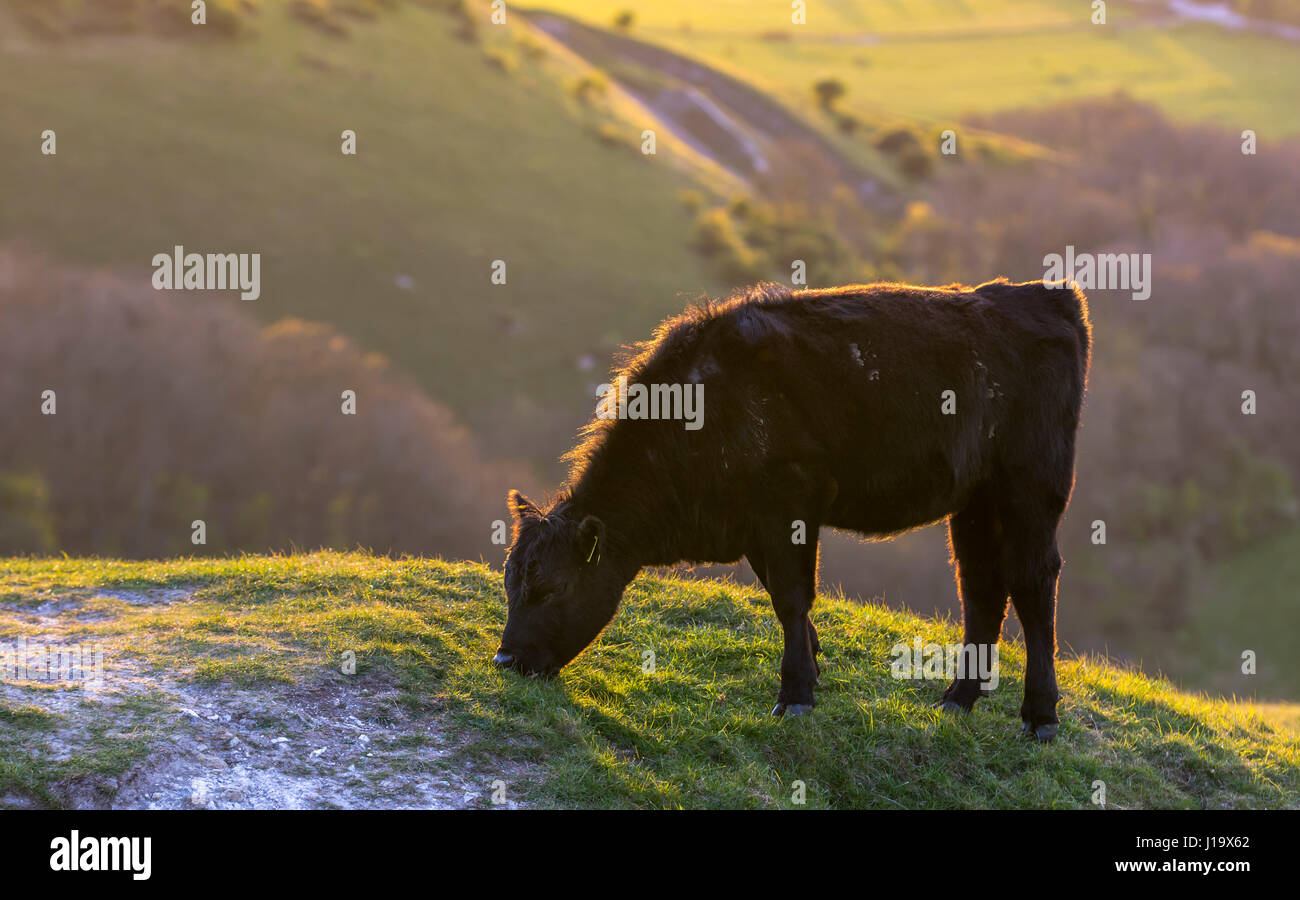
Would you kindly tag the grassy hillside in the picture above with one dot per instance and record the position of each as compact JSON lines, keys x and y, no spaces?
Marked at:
{"x":939,"y":60}
{"x":223,"y":675}
{"x":468,"y":151}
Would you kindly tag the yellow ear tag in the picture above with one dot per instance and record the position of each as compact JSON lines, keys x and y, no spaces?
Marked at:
{"x":593,"y":550}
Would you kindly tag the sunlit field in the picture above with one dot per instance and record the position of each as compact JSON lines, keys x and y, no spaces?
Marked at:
{"x":940,"y":61}
{"x":846,"y":21}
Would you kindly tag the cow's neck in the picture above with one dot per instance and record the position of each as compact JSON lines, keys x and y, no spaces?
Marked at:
{"x":645,"y":524}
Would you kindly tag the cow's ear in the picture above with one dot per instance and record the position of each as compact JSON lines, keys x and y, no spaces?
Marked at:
{"x":521,"y":507}
{"x":591,"y":538}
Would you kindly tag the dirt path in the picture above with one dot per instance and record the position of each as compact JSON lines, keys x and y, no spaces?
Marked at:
{"x":335,"y":742}
{"x":752,"y":136}
{"x":735,"y":125}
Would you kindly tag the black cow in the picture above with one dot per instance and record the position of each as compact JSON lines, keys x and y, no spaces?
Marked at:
{"x":876,"y":409}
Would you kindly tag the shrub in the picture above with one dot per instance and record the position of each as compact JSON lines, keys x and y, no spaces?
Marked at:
{"x":320,"y":15}
{"x":714,"y":233}
{"x":716,"y":237}
{"x":916,"y":164}
{"x":590,"y":86}
{"x":897,"y":141}
{"x":828,"y":90}
{"x":611,"y":135}
{"x":740,"y":208}
{"x":532,"y":49}
{"x":691,"y":200}
{"x":501,"y":60}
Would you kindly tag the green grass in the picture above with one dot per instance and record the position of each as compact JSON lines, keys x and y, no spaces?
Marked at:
{"x":694,"y":733}
{"x":1249,"y":588}
{"x":235,"y":146}
{"x":102,"y":747}
{"x":938,"y":60}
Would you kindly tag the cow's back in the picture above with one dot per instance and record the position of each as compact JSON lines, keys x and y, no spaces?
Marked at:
{"x":908,"y":397}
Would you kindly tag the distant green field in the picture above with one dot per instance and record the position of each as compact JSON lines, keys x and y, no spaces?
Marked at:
{"x":941,"y":60}
{"x":746,"y":18}
{"x":235,"y":146}
{"x":1248,"y":589}
{"x":694,"y":732}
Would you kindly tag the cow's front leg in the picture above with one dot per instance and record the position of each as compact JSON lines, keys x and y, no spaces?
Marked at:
{"x":798,"y":663}
{"x":977,"y":552}
{"x":758,"y":562}
{"x":789,"y":572}
{"x":784,"y":544}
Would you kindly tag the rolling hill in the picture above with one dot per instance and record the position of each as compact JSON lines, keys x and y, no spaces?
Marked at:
{"x":472,"y":146}
{"x":346,"y":679}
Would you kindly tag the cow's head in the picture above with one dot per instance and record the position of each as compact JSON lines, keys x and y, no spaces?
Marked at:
{"x":561,"y":585}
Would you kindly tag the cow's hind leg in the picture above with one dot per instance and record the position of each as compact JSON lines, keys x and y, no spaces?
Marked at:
{"x":790,"y":574}
{"x":816,"y":649}
{"x":976,"y":549}
{"x":1033,"y":591}
{"x":1032,"y":564}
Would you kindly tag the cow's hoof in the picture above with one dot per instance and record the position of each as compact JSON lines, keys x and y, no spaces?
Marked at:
{"x":952,"y":706}
{"x":792,"y":709}
{"x":1043,"y":733}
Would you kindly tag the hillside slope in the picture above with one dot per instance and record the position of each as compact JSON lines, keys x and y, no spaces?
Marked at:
{"x":472,"y":146}
{"x":224,"y":687}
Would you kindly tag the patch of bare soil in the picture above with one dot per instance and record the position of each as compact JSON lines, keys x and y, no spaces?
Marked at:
{"x":336,"y":742}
